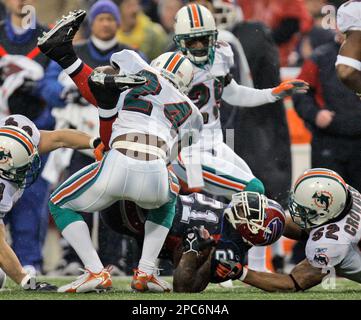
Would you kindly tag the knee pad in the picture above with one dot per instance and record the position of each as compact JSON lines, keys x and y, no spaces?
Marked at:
{"x":63,"y":217}
{"x":255,"y":185}
{"x":165,"y":214}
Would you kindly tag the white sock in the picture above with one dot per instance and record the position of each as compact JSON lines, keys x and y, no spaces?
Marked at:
{"x":257,"y":259}
{"x":154,"y":237}
{"x":77,"y":234}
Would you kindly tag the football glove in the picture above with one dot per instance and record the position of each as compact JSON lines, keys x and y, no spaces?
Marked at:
{"x":196,"y":241}
{"x":30,"y":284}
{"x":227,"y":269}
{"x":289,"y":88}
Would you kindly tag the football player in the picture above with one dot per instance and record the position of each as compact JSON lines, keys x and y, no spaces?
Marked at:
{"x":209,"y":240}
{"x":20,"y":145}
{"x":224,"y":172}
{"x":322,"y":204}
{"x":149,"y":119}
{"x":348,"y":63}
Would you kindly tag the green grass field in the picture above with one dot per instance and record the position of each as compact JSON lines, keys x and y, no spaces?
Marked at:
{"x":344,"y":290}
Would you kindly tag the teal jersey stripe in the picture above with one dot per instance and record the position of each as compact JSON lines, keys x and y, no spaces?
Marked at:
{"x":222,"y":175}
{"x":84,"y":188}
{"x":72,"y":180}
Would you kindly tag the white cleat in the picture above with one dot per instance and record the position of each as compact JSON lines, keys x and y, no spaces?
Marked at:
{"x":89,"y":282}
{"x":143,"y":282}
{"x":2,"y":279}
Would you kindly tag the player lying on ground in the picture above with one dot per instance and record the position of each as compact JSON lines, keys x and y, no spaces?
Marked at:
{"x":20,"y":145}
{"x":349,"y":59}
{"x":203,"y":242}
{"x":149,"y":120}
{"x":330,"y":210}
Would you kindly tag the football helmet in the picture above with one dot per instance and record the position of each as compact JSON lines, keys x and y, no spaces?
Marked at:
{"x":195,"y":25}
{"x":176,"y":68}
{"x":19,"y":158}
{"x":260,"y":221}
{"x":225,"y":13}
{"x":319,"y":195}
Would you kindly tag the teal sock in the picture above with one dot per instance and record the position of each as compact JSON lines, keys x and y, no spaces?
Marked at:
{"x":255,"y":185}
{"x":63,"y":217}
{"x":164,"y":215}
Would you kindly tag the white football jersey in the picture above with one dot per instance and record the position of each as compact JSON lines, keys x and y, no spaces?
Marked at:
{"x":349,"y":16}
{"x":10,"y":193}
{"x":338,"y":244}
{"x":156,"y":108}
{"x":207,"y":89}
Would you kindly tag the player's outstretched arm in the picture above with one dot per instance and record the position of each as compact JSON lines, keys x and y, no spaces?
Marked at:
{"x":348,"y":63}
{"x":302,"y":277}
{"x":9,"y":261}
{"x":192,"y":273}
{"x":242,"y":96}
{"x":66,"y":138}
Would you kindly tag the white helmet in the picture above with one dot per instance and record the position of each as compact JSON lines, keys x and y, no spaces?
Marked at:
{"x":176,"y":68}
{"x":19,"y":159}
{"x":196,"y":22}
{"x":319,"y":195}
{"x":225,"y":13}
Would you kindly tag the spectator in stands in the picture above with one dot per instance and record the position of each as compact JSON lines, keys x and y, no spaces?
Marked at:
{"x":22,"y":68}
{"x":2,"y":11}
{"x":138,"y":31}
{"x":288,"y":20}
{"x":332,"y":112}
{"x":167,"y":10}
{"x":104,"y":20}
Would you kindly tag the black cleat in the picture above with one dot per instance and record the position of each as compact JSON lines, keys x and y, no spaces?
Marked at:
{"x":107,"y":88}
{"x":57,"y":43}
{"x":45,"y":287}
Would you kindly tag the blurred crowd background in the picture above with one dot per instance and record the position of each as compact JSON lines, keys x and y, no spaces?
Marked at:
{"x":272,"y":40}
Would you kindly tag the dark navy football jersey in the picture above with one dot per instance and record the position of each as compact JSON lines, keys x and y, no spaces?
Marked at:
{"x":229,"y":247}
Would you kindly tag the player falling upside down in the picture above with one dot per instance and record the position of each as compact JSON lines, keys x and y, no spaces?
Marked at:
{"x":209,"y":240}
{"x":323,"y":205}
{"x":348,"y":63}
{"x":20,"y":145}
{"x":150,"y":119}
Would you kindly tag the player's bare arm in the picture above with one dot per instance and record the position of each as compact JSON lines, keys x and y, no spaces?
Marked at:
{"x":302,"y":277}
{"x":192,"y":273}
{"x":66,"y":138}
{"x":8,"y":260}
{"x":349,"y":61}
{"x":293,"y":231}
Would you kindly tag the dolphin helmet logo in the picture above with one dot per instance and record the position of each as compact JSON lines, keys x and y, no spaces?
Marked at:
{"x":323,"y":199}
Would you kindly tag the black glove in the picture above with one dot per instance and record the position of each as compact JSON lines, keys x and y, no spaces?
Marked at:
{"x":28,"y":86}
{"x":194,"y":242}
{"x":73,"y":95}
{"x":227,"y":269}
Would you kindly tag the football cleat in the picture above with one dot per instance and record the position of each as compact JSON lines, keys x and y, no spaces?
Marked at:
{"x":89,"y":282}
{"x":57,"y":43}
{"x":115,"y":81}
{"x":143,"y":282}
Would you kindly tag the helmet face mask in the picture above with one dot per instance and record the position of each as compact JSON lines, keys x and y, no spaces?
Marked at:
{"x":259,"y":221}
{"x":319,"y":195}
{"x":196,"y":34}
{"x":200,"y":56}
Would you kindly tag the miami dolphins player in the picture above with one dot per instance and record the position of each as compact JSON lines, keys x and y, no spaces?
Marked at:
{"x":20,"y":145}
{"x":348,"y":62}
{"x":224,"y":172}
{"x":324,"y":206}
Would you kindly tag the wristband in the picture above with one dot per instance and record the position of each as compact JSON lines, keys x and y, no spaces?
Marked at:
{"x":94,"y":142}
{"x":244,"y":274}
